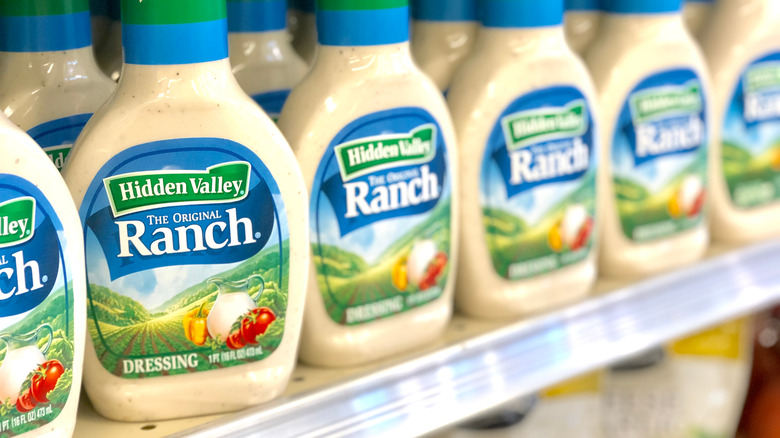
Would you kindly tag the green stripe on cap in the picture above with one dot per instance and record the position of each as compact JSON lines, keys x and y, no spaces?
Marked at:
{"x":32,"y":8}
{"x":360,"y":5}
{"x":171,"y":11}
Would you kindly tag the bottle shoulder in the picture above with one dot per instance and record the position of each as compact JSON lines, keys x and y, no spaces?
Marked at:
{"x":620,"y":66}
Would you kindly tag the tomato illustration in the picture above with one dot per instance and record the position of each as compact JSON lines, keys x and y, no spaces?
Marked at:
{"x":697,"y":205}
{"x":435,"y":269}
{"x":26,"y":402}
{"x":584,"y":235}
{"x":255,"y":323}
{"x":235,"y":341}
{"x":45,"y":379}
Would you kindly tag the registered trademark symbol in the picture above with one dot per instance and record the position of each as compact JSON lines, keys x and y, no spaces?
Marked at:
{"x":257,"y":235}
{"x":45,"y":278}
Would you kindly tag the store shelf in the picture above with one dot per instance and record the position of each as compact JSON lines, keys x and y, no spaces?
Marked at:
{"x":479,"y":365}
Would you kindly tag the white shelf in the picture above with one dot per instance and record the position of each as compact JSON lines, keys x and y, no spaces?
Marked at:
{"x":479,"y":365}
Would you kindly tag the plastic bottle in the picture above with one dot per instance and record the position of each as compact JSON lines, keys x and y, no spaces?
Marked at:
{"x":742,"y":45}
{"x":655,"y":115}
{"x":195,"y":220}
{"x":696,"y":14}
{"x":523,"y":108}
{"x":443,"y":34}
{"x":49,"y":82}
{"x":42,"y":293}
{"x":582,"y":21}
{"x":303,"y":28}
{"x":377,"y":150}
{"x":263,"y":60}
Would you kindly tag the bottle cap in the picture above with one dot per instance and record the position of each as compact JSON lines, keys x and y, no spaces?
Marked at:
{"x":173,"y":32}
{"x":362,"y":22}
{"x":44,"y":25}
{"x":642,"y":6}
{"x":256,"y":15}
{"x":444,"y":10}
{"x":522,"y":13}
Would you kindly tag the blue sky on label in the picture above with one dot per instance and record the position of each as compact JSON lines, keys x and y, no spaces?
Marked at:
{"x":655,"y":174}
{"x":370,"y":241}
{"x":531,"y":205}
{"x":152,"y":288}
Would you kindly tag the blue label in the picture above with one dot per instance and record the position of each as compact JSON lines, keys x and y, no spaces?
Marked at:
{"x":272,"y":102}
{"x":175,"y":44}
{"x":380,"y":209}
{"x":444,"y":10}
{"x":257,"y":16}
{"x":188,"y":238}
{"x":538,"y":183}
{"x":659,"y":155}
{"x":30,"y":248}
{"x":45,"y":33}
{"x":751,"y":135}
{"x":58,"y":136}
{"x":36,"y":308}
{"x":367,"y":27}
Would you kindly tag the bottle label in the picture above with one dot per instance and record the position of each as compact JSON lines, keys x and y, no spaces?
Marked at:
{"x":380,"y":216}
{"x":751,"y":136}
{"x":538,"y":183}
{"x":272,"y":102}
{"x":659,"y":156}
{"x":36,"y":310}
{"x":187,"y":258}
{"x":58,"y":136}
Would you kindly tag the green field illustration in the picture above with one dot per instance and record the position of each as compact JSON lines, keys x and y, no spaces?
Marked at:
{"x":127,"y":330}
{"x":646,"y":215}
{"x":511,"y":240}
{"x":51,"y":312}
{"x":347,"y":280}
{"x":753,"y":180}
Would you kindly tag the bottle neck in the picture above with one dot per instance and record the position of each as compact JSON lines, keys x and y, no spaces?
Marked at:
{"x":551,"y":40}
{"x":365,"y":61}
{"x":45,"y":33}
{"x":206,"y":81}
{"x":256,"y":16}
{"x":363,"y":27}
{"x":640,"y":26}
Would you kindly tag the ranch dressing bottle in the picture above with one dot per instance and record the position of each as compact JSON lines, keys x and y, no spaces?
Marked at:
{"x":377,"y":150}
{"x":528,"y":158}
{"x":187,"y":194}
{"x":654,"y":107}
{"x":303,"y":27}
{"x":42,"y":293}
{"x":264,"y":62}
{"x":582,"y":23}
{"x":696,"y":14}
{"x":742,"y":45}
{"x":49,"y":82}
{"x":443,"y":34}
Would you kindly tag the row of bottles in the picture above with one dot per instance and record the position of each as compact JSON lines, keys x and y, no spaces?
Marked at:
{"x":208,"y":229}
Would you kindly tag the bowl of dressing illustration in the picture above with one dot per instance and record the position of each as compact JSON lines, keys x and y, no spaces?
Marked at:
{"x":20,"y":357}
{"x":232,"y":303}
